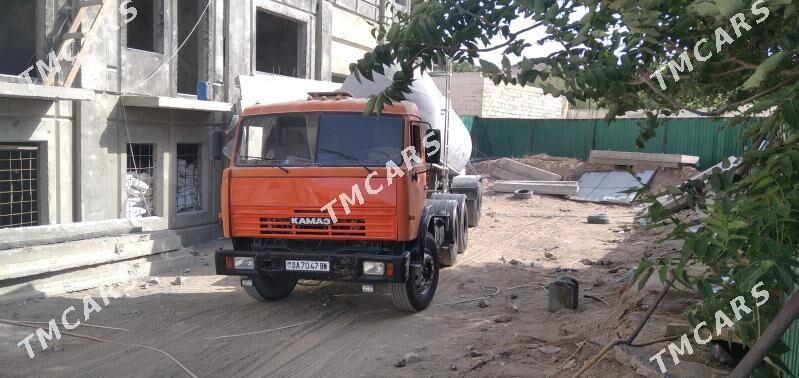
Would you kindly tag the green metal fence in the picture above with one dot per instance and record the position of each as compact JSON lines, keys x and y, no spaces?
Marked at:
{"x":711,"y":140}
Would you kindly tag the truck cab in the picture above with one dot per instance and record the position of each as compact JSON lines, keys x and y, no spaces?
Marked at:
{"x":317,"y":190}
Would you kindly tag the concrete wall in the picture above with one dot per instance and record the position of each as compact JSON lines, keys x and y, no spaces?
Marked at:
{"x":351,"y":30}
{"x":473,"y":95}
{"x":104,"y":132}
{"x":49,"y":124}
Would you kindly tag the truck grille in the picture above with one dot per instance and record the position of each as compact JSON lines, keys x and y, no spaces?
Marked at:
{"x":378,"y":224}
{"x":283,"y":226}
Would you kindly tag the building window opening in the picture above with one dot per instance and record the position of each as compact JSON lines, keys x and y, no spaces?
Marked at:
{"x":140,"y":181}
{"x":146,"y":31}
{"x":19,"y":185}
{"x":188,"y":56}
{"x":277,"y":45}
{"x":189,"y":184}
{"x":18,"y":37}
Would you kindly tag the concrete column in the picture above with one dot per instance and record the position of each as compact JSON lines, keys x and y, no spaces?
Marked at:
{"x":324,"y":38}
{"x":238,"y":33}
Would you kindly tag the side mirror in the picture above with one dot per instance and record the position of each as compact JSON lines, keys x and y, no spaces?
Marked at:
{"x":432,"y":146}
{"x":217,"y":143}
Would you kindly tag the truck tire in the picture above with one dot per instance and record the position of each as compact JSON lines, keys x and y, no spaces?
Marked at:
{"x":264,"y":289}
{"x":463,"y":230}
{"x":417,"y":293}
{"x":470,"y":185}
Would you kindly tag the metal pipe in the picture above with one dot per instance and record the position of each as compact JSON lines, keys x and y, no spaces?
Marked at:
{"x":768,"y":338}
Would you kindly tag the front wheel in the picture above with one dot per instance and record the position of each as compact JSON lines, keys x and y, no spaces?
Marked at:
{"x":265,"y":289}
{"x":417,"y":292}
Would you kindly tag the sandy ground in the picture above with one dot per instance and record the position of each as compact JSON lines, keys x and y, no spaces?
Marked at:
{"x":333,"y":329}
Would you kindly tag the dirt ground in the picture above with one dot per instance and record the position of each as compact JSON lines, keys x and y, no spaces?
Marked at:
{"x":333,"y":329}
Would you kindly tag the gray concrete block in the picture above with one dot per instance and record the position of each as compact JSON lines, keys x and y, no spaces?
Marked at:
{"x":49,"y":284}
{"x":30,"y":261}
{"x":563,"y":188}
{"x":641,"y":158}
{"x":507,"y":169}
{"x":60,"y":233}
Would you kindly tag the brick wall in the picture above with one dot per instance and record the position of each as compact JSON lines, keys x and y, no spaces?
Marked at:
{"x":473,"y":95}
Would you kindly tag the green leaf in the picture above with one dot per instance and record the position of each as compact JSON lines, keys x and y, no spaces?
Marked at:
{"x":790,"y":110}
{"x":488,"y":67}
{"x":703,"y":8}
{"x":764,"y":69}
{"x":728,"y":7}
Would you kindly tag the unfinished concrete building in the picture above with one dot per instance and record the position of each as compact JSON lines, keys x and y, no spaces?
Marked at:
{"x":106,"y":106}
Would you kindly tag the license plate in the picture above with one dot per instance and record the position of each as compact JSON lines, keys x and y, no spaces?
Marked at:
{"x":309,"y":266}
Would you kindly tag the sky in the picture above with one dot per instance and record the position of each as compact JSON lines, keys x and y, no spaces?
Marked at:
{"x":534,"y":51}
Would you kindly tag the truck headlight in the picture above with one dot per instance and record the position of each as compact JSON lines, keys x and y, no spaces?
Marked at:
{"x":374,"y":268}
{"x":244,"y":263}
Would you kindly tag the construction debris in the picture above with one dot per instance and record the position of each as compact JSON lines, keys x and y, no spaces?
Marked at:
{"x":599,"y":218}
{"x":563,"y":293}
{"x":504,"y":318}
{"x":730,"y":163}
{"x":611,"y":187}
{"x":641,"y":158}
{"x":507,"y":169}
{"x":674,"y":202}
{"x":562,"y":188}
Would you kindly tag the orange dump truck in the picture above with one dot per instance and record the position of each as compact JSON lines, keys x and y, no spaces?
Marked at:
{"x":316,"y":190}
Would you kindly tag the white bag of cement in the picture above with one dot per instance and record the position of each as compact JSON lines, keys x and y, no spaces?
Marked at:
{"x":431,"y":104}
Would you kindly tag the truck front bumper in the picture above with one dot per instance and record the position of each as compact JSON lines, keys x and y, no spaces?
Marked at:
{"x":343,"y":266}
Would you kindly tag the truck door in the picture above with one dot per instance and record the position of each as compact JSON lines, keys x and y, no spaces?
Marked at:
{"x":418,"y":184}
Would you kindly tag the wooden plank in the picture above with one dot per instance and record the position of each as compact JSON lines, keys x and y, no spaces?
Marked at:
{"x":507,"y":169}
{"x":76,"y":23}
{"x":641,"y":158}
{"x":563,"y":188}
{"x":73,"y":72}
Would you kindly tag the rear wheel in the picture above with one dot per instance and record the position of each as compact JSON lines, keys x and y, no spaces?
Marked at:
{"x":462,"y":231}
{"x":448,"y":256}
{"x":417,"y":293}
{"x":265,"y":289}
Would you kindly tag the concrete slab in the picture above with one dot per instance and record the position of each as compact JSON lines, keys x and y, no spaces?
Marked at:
{"x":641,"y":158}
{"x":44,"y":92}
{"x":563,"y":188}
{"x":163,"y":102}
{"x":507,"y":169}
{"x":731,"y":162}
{"x":673,"y":202}
{"x":60,"y":233}
{"x":610,"y":187}
{"x":49,"y":284}
{"x":30,"y":261}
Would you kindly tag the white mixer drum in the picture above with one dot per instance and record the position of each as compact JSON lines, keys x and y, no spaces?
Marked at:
{"x":430,"y":102}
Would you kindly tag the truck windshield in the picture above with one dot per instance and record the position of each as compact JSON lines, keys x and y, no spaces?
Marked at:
{"x":320,"y":139}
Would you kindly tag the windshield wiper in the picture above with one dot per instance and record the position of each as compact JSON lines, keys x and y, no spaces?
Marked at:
{"x":348,"y":157}
{"x":262,"y":159}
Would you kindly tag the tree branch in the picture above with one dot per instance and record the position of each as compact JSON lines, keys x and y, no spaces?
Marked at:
{"x":713,"y":113}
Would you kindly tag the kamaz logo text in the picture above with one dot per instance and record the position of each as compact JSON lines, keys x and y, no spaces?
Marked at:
{"x":311,"y":221}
